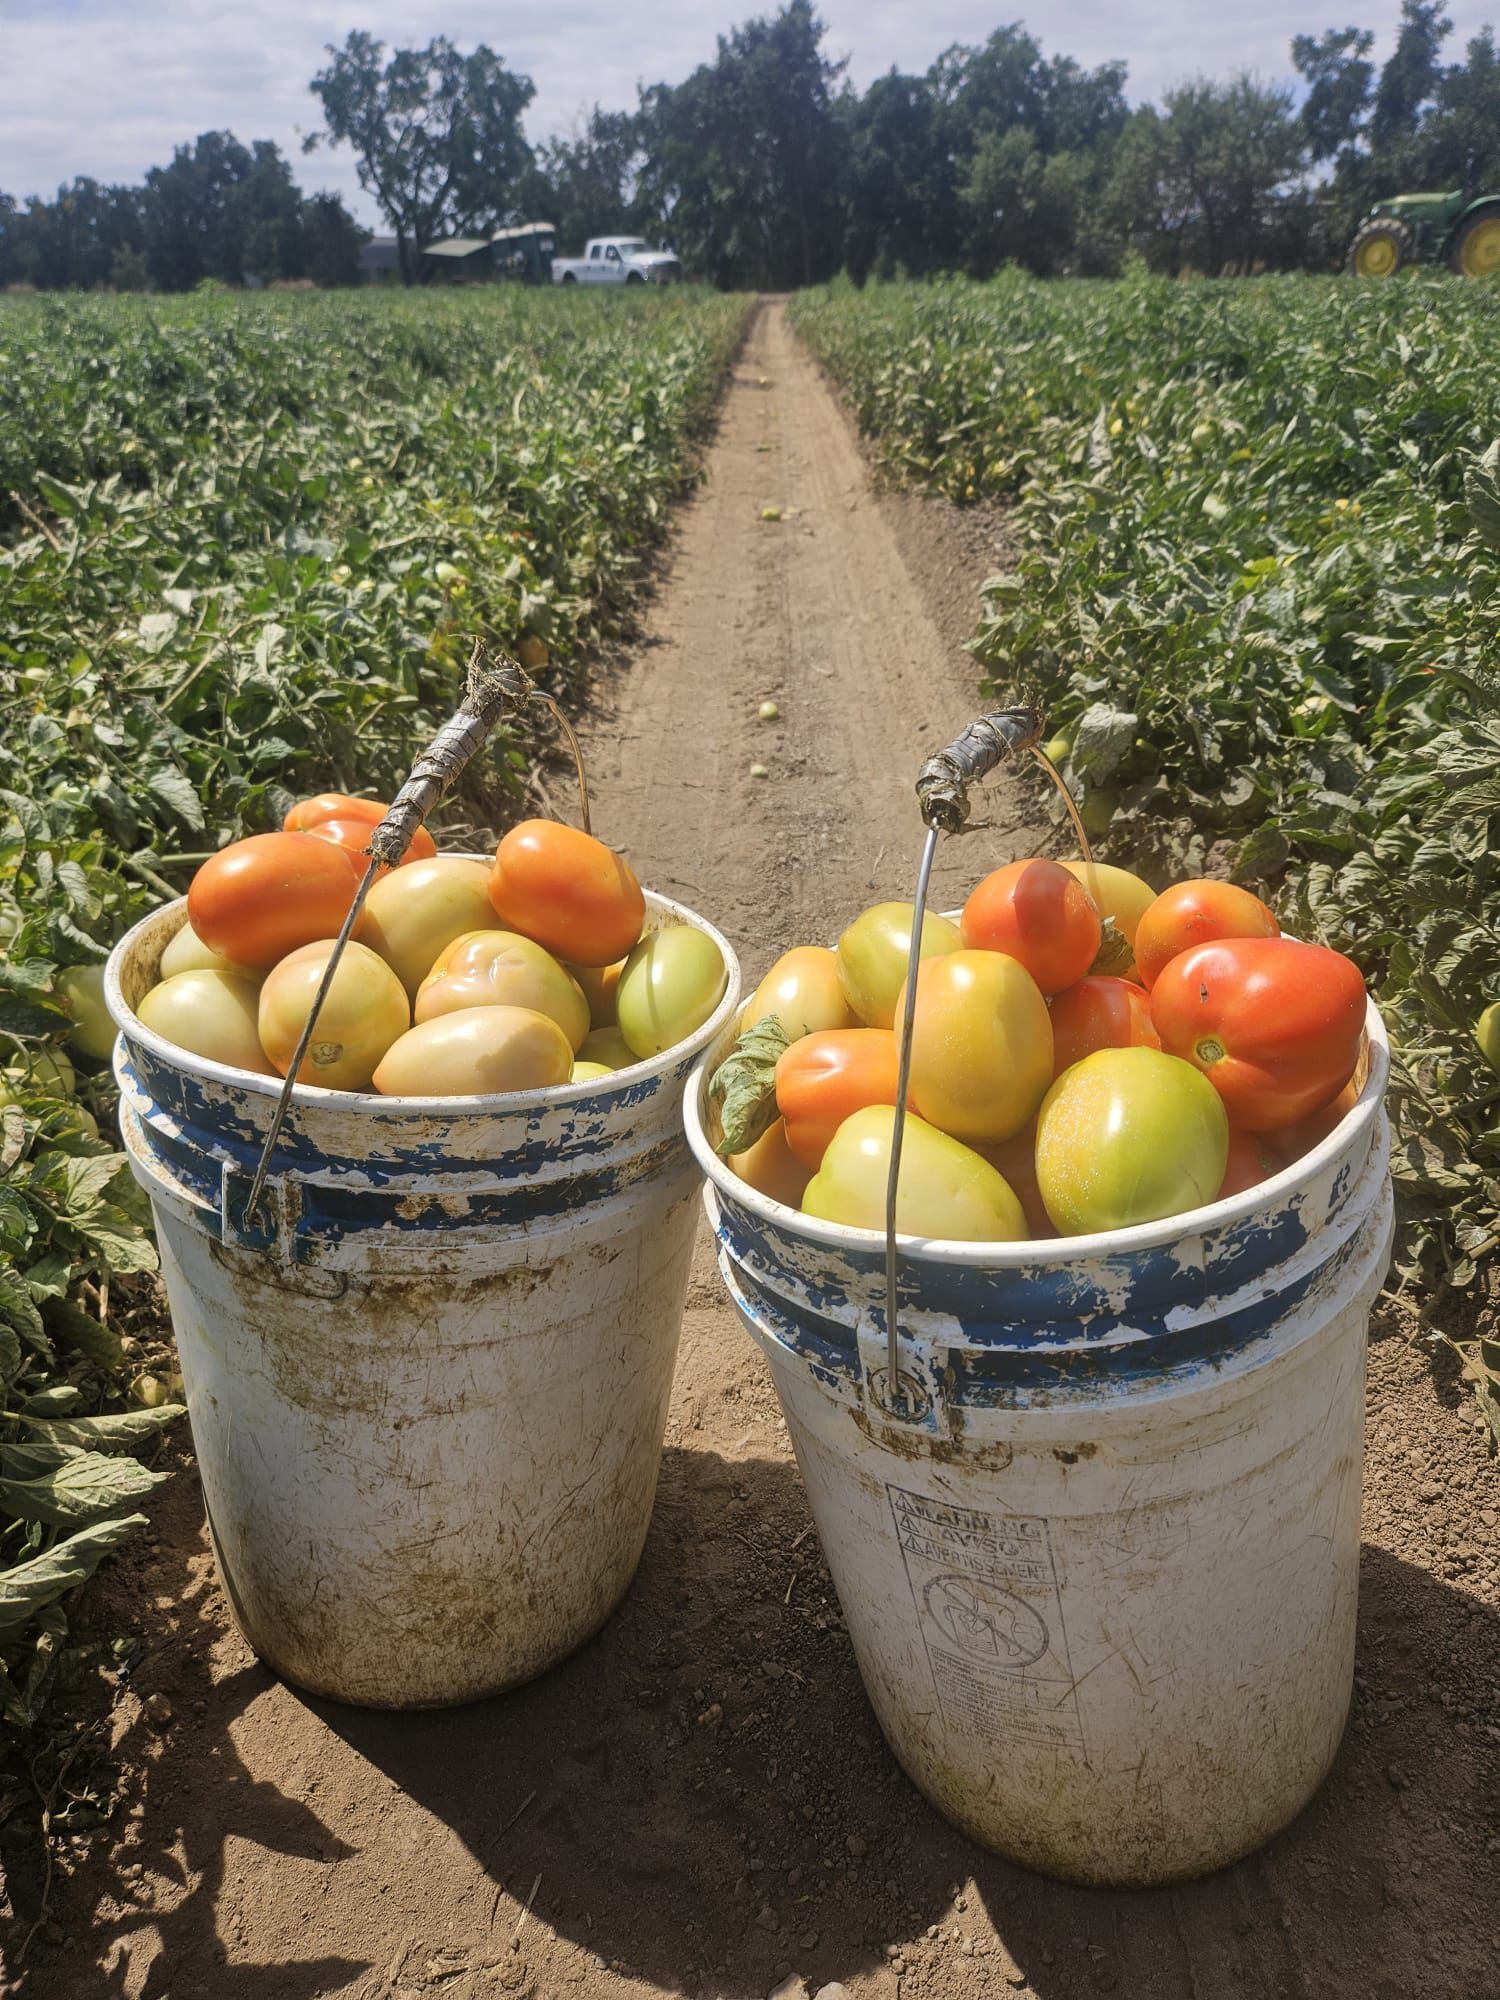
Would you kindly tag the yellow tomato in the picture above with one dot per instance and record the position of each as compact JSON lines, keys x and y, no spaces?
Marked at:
{"x":366,"y":1009}
{"x":503,"y":969}
{"x":772,"y":1168}
{"x":414,"y":913}
{"x":208,"y":1013}
{"x":981,"y":1051}
{"x":188,"y":953}
{"x":1129,"y":1136}
{"x":480,"y":1052}
{"x":873,"y":954}
{"x":607,"y":1047}
{"x":599,"y":983}
{"x":945,"y":1189}
{"x":1116,"y":893}
{"x":803,"y":991}
{"x":589,"y":1072}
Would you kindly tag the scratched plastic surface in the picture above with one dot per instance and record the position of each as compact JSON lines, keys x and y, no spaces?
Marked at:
{"x":428,"y":1381}
{"x":1100,"y":1569}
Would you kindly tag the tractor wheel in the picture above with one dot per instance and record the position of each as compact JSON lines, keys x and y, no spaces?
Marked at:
{"x":1380,"y":248}
{"x":1476,"y":248}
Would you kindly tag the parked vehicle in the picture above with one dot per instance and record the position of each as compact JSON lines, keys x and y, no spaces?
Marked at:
{"x":1458,"y":227}
{"x":617,"y":260}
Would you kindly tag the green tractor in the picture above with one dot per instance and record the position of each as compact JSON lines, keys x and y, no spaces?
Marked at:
{"x":1462,"y":227}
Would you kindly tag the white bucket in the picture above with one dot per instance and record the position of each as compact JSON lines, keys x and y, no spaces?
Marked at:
{"x":427,"y":1398}
{"x":1102,"y":1586}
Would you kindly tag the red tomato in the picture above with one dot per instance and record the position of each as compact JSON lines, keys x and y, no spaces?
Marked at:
{"x":1295,"y":1140}
{"x":1038,"y":913}
{"x":1099,"y":1013}
{"x":1250,"y":1162}
{"x":1274,"y":1025}
{"x":306,"y":813}
{"x":567,"y":891}
{"x":261,"y":898}
{"x":1191,"y":913}
{"x":827,"y":1077}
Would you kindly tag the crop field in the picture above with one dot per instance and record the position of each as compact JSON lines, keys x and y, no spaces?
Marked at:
{"x":238,"y":538}
{"x":1257,"y":590}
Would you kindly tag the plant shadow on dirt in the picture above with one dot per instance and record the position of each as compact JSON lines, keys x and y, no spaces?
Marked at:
{"x":700,"y":1798}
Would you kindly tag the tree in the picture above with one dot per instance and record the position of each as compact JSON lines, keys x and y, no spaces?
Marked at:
{"x":1339,"y":76}
{"x":1410,"y":77}
{"x":741,"y":165}
{"x":437,"y":135}
{"x":584,"y":184}
{"x":899,"y":197}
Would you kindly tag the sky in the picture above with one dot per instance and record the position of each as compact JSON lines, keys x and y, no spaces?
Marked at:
{"x":107,"y":88}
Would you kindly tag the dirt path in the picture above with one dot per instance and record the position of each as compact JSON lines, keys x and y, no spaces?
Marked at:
{"x":699,"y":1802}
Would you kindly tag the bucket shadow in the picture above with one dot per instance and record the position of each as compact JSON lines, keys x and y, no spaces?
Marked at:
{"x":701,"y":1798}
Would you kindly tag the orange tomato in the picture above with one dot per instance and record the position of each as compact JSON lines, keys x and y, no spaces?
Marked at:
{"x":1192,"y":913}
{"x":306,"y":813}
{"x":353,"y":835}
{"x":261,"y":898}
{"x":1250,"y":1162}
{"x":825,"y":1078}
{"x":1039,"y":914}
{"x":1099,"y":1013}
{"x":772,"y":1168}
{"x":1295,"y":1140}
{"x":1015,"y":1158}
{"x":568,"y":891}
{"x":599,"y":983}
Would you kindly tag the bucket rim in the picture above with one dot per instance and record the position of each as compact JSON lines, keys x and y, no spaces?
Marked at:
{"x":370,"y":1103}
{"x":1033,"y":1250}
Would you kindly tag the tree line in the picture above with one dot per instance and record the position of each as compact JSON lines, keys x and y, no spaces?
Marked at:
{"x":766,"y":169}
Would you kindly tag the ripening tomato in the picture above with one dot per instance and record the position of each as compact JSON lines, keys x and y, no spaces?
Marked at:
{"x":366,"y":1009}
{"x":874,"y":955}
{"x":1039,"y":915}
{"x":306,"y":813}
{"x":186,"y":952}
{"x":1115,"y":893}
{"x":502,"y":969}
{"x":804,"y":992}
{"x":1274,"y":1025}
{"x":354,"y":836}
{"x":209,"y":1013}
{"x":824,"y":1078}
{"x":772,"y":1168}
{"x":599,"y":983}
{"x":261,"y":898}
{"x":480,"y":1052}
{"x":981,"y":1045}
{"x":568,"y":891}
{"x":1100,"y":1013}
{"x":589,"y":1072}
{"x":1292,"y":1141}
{"x":1014,"y":1160}
{"x":414,"y":913}
{"x":669,"y":986}
{"x":945,"y":1189}
{"x":608,"y":1047}
{"x":1193,"y":913}
{"x":1128,"y":1136}
{"x":1250,"y":1162}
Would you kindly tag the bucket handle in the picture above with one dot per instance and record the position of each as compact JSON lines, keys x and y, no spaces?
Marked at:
{"x":943,"y":799}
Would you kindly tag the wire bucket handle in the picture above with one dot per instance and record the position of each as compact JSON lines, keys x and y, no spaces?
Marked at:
{"x":943,"y":800}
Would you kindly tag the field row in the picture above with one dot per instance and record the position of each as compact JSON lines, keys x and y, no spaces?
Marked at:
{"x":244,"y":545}
{"x":1250,"y":594}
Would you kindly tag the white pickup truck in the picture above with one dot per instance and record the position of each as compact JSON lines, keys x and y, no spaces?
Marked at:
{"x":617,"y":260}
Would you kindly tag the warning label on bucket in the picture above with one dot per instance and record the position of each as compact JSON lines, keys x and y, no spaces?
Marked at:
{"x":987,"y":1601}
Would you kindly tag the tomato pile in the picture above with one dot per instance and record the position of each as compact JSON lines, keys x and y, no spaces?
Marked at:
{"x":1087,"y":1055}
{"x":462,"y":978}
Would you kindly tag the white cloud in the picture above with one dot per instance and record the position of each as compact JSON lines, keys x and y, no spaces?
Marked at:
{"x":109,"y":87}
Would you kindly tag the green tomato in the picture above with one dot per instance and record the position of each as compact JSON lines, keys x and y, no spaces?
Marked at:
{"x":946,"y":1190}
{"x":589,"y":1072}
{"x":669,"y":986}
{"x":209,"y":1013}
{"x":81,"y":990}
{"x":1129,"y":1136}
{"x":1487,"y":1034}
{"x":1059,"y":749}
{"x":606,"y":1048}
{"x":874,"y":953}
{"x":186,"y":952}
{"x":43,"y":1072}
